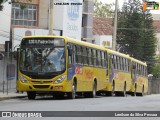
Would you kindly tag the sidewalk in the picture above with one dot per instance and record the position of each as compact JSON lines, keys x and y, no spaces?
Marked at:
{"x":12,"y":95}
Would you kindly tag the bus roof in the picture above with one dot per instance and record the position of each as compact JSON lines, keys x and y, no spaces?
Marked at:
{"x":118,"y":53}
{"x":138,"y":61}
{"x":126,"y":56}
{"x":67,"y":39}
{"x":88,"y":45}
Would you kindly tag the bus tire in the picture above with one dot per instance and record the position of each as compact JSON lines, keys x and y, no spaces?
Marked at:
{"x":135,"y":91}
{"x":93,"y":93}
{"x":142,"y":94}
{"x":72,"y":94}
{"x":31,"y":95}
{"x":58,"y":95}
{"x":113,"y":89}
{"x":124,"y":94}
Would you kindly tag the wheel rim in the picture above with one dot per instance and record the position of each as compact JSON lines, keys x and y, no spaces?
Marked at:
{"x":94,"y":90}
{"x":124,"y":91}
{"x":73,"y":91}
{"x":143,"y":91}
{"x":135,"y":91}
{"x":112,"y":93}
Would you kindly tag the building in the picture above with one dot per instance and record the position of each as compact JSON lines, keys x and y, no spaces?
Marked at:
{"x":87,"y":21}
{"x":32,"y":18}
{"x":156,"y":24}
{"x":5,"y":16}
{"x":103,"y":31}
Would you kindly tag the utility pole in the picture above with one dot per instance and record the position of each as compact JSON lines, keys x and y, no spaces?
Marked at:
{"x":115,"y":27}
{"x":50,"y":26}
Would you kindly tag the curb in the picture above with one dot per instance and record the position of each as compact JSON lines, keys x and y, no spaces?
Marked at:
{"x":11,"y":97}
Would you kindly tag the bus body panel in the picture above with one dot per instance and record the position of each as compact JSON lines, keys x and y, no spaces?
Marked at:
{"x":84,"y":74}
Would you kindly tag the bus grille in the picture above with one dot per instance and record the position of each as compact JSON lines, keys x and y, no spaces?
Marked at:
{"x":38,"y":81}
{"x":41,"y":86}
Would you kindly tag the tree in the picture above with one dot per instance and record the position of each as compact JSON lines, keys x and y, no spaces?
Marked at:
{"x":135,"y":33}
{"x":149,"y":42}
{"x":103,"y":9}
{"x":156,"y":70}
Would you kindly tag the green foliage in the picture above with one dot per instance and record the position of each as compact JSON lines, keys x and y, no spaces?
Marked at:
{"x":1,"y":1}
{"x":103,"y":9}
{"x":22,"y":5}
{"x":135,"y":34}
{"x":156,"y":69}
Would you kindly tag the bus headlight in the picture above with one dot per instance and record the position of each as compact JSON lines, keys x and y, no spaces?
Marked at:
{"x":61,"y":79}
{"x":23,"y":79}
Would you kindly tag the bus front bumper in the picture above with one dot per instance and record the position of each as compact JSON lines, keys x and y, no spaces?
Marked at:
{"x":41,"y":87}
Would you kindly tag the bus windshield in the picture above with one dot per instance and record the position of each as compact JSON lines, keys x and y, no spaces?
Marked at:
{"x":42,"y":59}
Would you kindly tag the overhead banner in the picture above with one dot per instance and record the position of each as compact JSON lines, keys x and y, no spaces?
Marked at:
{"x":68,"y":17}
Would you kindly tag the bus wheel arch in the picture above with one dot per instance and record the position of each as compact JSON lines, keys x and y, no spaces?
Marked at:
{"x":92,"y":94}
{"x":125,"y":89}
{"x":72,"y":94}
{"x":142,"y":94}
{"x":94,"y":89}
{"x":75,"y":82}
{"x":113,"y":88}
{"x":134,"y":93}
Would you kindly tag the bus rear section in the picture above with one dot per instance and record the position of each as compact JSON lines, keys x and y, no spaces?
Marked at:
{"x":139,"y":78}
{"x":119,"y":80}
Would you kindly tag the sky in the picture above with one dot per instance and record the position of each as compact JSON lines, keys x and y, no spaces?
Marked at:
{"x":120,"y":2}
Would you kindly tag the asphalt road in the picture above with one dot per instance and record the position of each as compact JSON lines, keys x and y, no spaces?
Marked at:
{"x":47,"y":103}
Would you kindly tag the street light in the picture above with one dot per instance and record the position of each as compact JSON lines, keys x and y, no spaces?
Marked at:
{"x":51,"y":18}
{"x":115,"y":27}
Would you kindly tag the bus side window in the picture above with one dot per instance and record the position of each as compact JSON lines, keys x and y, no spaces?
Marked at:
{"x":84,"y":54}
{"x":70,"y":53}
{"x":97,"y":64}
{"x":99,"y":58}
{"x":94,"y":57}
{"x":73,"y":54}
{"x":89,"y":54}
{"x":78,"y":55}
{"x":106,"y":62}
{"x":103,"y":60}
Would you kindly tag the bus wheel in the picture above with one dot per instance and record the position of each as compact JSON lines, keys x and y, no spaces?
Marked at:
{"x":124,"y":91}
{"x":93,"y":93}
{"x":142,"y":94}
{"x":113,"y":90}
{"x":134,"y":93}
{"x":58,"y":95}
{"x":72,"y":95}
{"x":31,"y":95}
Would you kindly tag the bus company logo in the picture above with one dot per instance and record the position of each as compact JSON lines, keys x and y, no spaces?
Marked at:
{"x":6,"y":114}
{"x":73,"y":10}
{"x":78,"y":70}
{"x":150,"y":5}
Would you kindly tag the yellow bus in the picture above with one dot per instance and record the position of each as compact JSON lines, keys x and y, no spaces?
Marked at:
{"x":119,"y":77}
{"x":126,"y":75}
{"x":61,"y":66}
{"x":139,"y":78}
